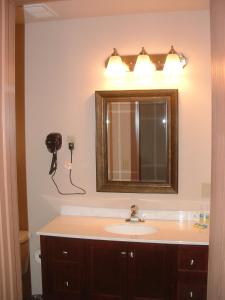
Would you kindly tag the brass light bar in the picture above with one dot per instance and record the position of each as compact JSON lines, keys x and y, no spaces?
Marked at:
{"x":157,"y":59}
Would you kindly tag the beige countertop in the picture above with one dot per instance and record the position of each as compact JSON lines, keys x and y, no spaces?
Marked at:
{"x":168,"y":232}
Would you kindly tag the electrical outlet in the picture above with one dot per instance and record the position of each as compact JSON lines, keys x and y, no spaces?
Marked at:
{"x":71,"y":146}
{"x":71,"y":142}
{"x":70,"y":139}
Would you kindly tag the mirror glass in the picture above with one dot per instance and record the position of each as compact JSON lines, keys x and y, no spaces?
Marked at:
{"x":137,"y":141}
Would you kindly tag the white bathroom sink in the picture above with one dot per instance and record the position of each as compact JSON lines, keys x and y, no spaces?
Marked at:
{"x":131,"y":229}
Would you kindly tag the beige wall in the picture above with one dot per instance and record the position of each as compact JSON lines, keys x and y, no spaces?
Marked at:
{"x":65,"y":65}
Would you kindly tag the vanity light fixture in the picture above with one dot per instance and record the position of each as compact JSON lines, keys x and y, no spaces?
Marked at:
{"x":144,"y":65}
{"x":118,"y":65}
{"x":174,"y":62}
{"x":115,"y":65}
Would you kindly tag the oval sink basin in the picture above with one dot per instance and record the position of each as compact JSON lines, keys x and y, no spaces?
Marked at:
{"x":131,"y":229}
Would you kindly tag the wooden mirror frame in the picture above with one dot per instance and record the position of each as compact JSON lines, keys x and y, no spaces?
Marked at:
{"x":102,"y":182}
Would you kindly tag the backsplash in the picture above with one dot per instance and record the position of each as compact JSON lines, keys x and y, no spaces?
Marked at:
{"x":125,"y":213}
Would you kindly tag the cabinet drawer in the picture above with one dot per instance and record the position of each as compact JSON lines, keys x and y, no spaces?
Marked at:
{"x":194,"y":258}
{"x":191,"y":292}
{"x":66,"y":249}
{"x":66,"y":277}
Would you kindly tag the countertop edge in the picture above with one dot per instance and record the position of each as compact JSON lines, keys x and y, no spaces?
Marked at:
{"x":123,"y":239}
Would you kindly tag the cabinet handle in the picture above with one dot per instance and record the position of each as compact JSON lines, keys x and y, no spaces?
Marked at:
{"x":64,"y":252}
{"x":66,"y":283}
{"x":191,"y":263}
{"x":123,"y":253}
{"x":131,"y":254}
{"x":190,"y":294}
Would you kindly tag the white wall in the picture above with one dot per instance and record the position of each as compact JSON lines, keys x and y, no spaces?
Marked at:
{"x":64,"y":67}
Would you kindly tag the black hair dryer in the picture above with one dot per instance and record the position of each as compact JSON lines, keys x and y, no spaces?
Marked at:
{"x":54,"y":143}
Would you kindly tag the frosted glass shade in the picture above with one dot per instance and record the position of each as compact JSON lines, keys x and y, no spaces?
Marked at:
{"x":115,"y":66}
{"x":173,"y":63}
{"x":143,"y":65}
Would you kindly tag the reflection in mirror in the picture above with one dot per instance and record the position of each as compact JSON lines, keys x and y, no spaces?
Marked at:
{"x":137,"y":140}
{"x":136,"y":143}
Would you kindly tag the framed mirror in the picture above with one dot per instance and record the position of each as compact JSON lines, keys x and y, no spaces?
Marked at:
{"x":137,"y":141}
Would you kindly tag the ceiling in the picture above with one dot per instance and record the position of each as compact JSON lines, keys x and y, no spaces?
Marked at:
{"x":68,"y":9}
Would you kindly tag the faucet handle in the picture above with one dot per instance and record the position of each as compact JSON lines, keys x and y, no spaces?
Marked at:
{"x":134,"y":215}
{"x":134,"y":210}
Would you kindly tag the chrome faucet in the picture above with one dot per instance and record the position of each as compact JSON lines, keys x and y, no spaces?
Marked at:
{"x":134,"y":215}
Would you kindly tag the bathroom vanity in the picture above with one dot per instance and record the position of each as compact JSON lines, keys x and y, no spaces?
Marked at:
{"x":80,"y":260}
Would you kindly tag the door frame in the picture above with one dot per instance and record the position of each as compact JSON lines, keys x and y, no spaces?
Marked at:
{"x":10,"y":269}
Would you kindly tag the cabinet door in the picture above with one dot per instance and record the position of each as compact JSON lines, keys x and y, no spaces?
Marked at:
{"x":62,"y":268}
{"x":151,"y":272}
{"x":107,"y":263}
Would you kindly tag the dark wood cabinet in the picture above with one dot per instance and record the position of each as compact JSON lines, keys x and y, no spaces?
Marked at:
{"x":77,"y":269}
{"x":106,"y":270}
{"x":151,"y":271}
{"x":192,"y":272}
{"x":118,"y":270}
{"x":63,"y":268}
